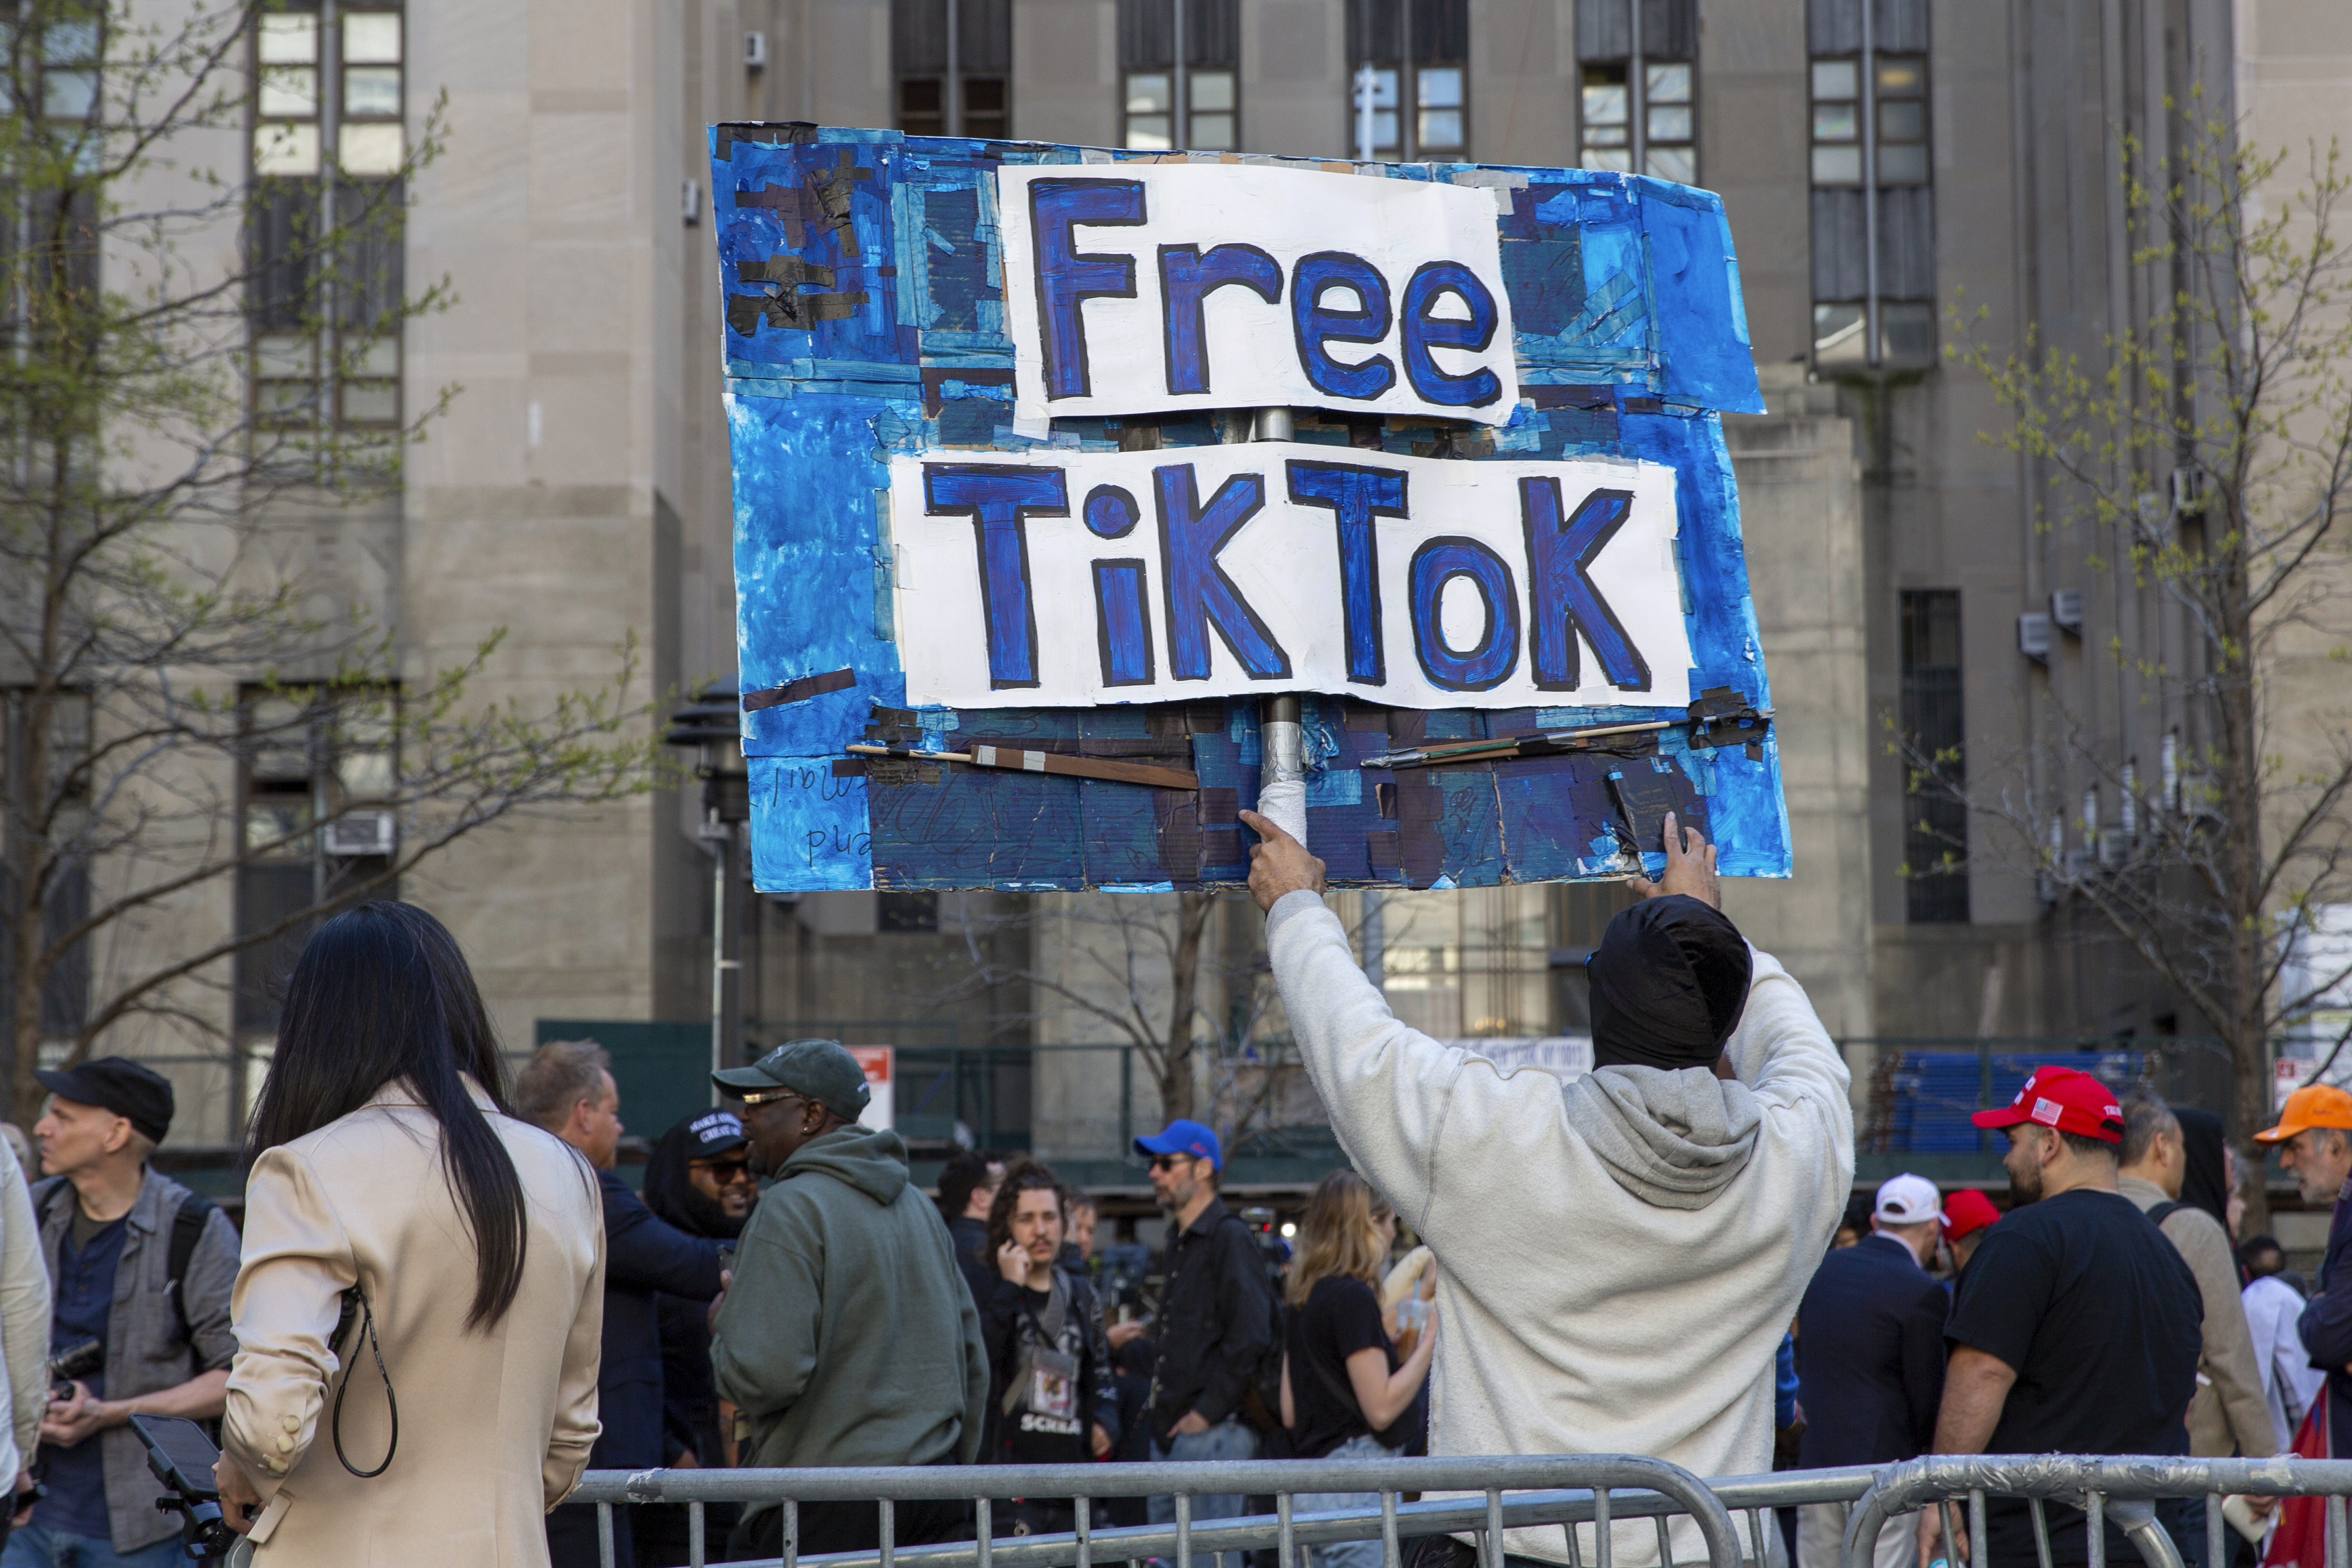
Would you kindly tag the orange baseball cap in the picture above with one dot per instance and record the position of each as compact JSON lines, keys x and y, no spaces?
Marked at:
{"x":2312,"y":1105}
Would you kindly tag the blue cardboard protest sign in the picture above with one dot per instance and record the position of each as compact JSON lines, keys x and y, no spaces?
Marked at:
{"x":990,"y":492}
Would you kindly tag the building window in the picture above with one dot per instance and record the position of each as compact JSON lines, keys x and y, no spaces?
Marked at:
{"x":1194,"y":107}
{"x":906,"y":911}
{"x":1637,"y":99}
{"x":1472,"y":964}
{"x":324,"y":227}
{"x":953,"y":60}
{"x":311,"y":764}
{"x":1411,"y":58}
{"x":1935,"y":820}
{"x":64,"y":796}
{"x":1872,"y":203}
{"x":70,"y":53}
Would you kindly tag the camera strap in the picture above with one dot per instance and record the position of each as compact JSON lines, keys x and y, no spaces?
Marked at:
{"x":355,"y":1301}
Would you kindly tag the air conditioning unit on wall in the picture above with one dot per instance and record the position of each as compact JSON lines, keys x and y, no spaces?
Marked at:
{"x":2033,"y":636}
{"x":2067,"y":610}
{"x":362,"y":834}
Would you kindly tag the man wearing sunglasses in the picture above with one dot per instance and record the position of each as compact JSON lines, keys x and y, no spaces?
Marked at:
{"x":700,"y":1181}
{"x":847,"y":1335}
{"x":1217,"y":1317}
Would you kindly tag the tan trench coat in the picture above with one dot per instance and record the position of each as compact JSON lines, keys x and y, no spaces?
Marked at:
{"x":495,"y":1425}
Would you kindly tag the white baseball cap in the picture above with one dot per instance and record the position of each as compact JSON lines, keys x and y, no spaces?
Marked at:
{"x":1907,"y":1200}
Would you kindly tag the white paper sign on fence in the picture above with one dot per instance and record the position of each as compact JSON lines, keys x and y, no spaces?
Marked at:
{"x":1154,"y":287}
{"x":1063,"y":579}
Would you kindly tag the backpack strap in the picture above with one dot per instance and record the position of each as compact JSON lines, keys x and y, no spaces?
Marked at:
{"x":2163,"y":1211}
{"x":187,"y":1231}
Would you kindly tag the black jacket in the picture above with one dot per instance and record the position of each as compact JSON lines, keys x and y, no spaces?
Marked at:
{"x":644,"y":1257}
{"x":1217,"y":1321}
{"x":690,"y":1401}
{"x":1007,"y":1326}
{"x":2327,"y":1326}
{"x":1870,"y":1356}
{"x":970,"y":1238}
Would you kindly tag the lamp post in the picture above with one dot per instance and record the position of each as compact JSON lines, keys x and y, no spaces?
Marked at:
{"x":713,"y":726}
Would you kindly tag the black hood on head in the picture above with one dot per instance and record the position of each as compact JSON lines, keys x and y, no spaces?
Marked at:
{"x":670,"y":1191}
{"x":1668,"y":984}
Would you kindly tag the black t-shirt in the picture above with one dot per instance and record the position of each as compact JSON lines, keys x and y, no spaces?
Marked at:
{"x":2102,"y":1319}
{"x":1341,"y":1317}
{"x":1047,"y":1425}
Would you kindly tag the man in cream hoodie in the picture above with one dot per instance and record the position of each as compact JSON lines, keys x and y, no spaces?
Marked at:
{"x":1620,"y":1256}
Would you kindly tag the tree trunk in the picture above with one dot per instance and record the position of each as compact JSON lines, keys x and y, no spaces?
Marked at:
{"x":2249,"y":1057}
{"x":1184,"y":982}
{"x":2241,"y":879}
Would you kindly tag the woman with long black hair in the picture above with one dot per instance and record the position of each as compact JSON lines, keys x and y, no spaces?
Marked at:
{"x":422,"y":1287}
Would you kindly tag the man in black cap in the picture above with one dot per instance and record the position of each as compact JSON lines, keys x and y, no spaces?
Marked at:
{"x":699,"y":1181}
{"x":1700,"y":1167}
{"x":141,"y":1269}
{"x":847,"y":1336}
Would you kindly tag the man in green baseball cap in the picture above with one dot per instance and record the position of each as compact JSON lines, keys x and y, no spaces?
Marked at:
{"x":797,"y":1077}
{"x":847,"y":1335}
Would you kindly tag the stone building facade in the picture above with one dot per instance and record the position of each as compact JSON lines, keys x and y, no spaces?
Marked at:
{"x":1881,"y":159}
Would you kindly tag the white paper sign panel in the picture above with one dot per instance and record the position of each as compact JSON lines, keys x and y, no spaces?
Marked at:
{"x":1045,"y":579}
{"x":1159,"y":287}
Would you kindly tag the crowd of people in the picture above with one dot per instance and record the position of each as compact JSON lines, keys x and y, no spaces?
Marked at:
{"x":444,"y":1303}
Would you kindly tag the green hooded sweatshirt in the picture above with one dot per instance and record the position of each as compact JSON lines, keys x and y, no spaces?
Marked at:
{"x":848,"y":1336}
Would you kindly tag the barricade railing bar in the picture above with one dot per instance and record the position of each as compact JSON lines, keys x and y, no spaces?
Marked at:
{"x":2125,"y":1489}
{"x":1502,"y":1494}
{"x":1484,"y":1498}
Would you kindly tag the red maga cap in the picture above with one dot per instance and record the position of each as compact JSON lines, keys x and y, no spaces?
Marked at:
{"x":1966,"y":1213}
{"x":2065,"y":1100}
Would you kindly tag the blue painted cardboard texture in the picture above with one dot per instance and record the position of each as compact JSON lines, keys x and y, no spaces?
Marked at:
{"x":863,"y":316}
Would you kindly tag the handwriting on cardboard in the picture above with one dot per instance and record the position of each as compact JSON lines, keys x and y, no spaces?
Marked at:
{"x":1063,"y":579}
{"x":1152,"y":288}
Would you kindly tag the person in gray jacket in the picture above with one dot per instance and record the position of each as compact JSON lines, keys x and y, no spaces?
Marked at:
{"x":847,"y":1335}
{"x":141,"y":1270}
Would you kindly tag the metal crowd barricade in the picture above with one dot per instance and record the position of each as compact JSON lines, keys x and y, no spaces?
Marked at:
{"x":1553,"y":1490}
{"x":2125,"y":1489}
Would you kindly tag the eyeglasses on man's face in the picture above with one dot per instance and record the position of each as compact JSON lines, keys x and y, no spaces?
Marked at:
{"x":725,"y":1171}
{"x":1170,"y":1162}
{"x":758,"y":1097}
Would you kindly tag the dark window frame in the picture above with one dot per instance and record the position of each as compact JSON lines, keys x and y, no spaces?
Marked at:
{"x":65,"y":989}
{"x":1873,"y":218}
{"x":1148,"y":53}
{"x":1630,"y":38}
{"x":302,"y":362}
{"x":1933,"y":720}
{"x":966,"y":90}
{"x":268,"y":889}
{"x":1403,"y":40}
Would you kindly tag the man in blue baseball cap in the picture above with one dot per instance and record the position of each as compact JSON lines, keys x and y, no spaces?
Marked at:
{"x":1215,"y":1318}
